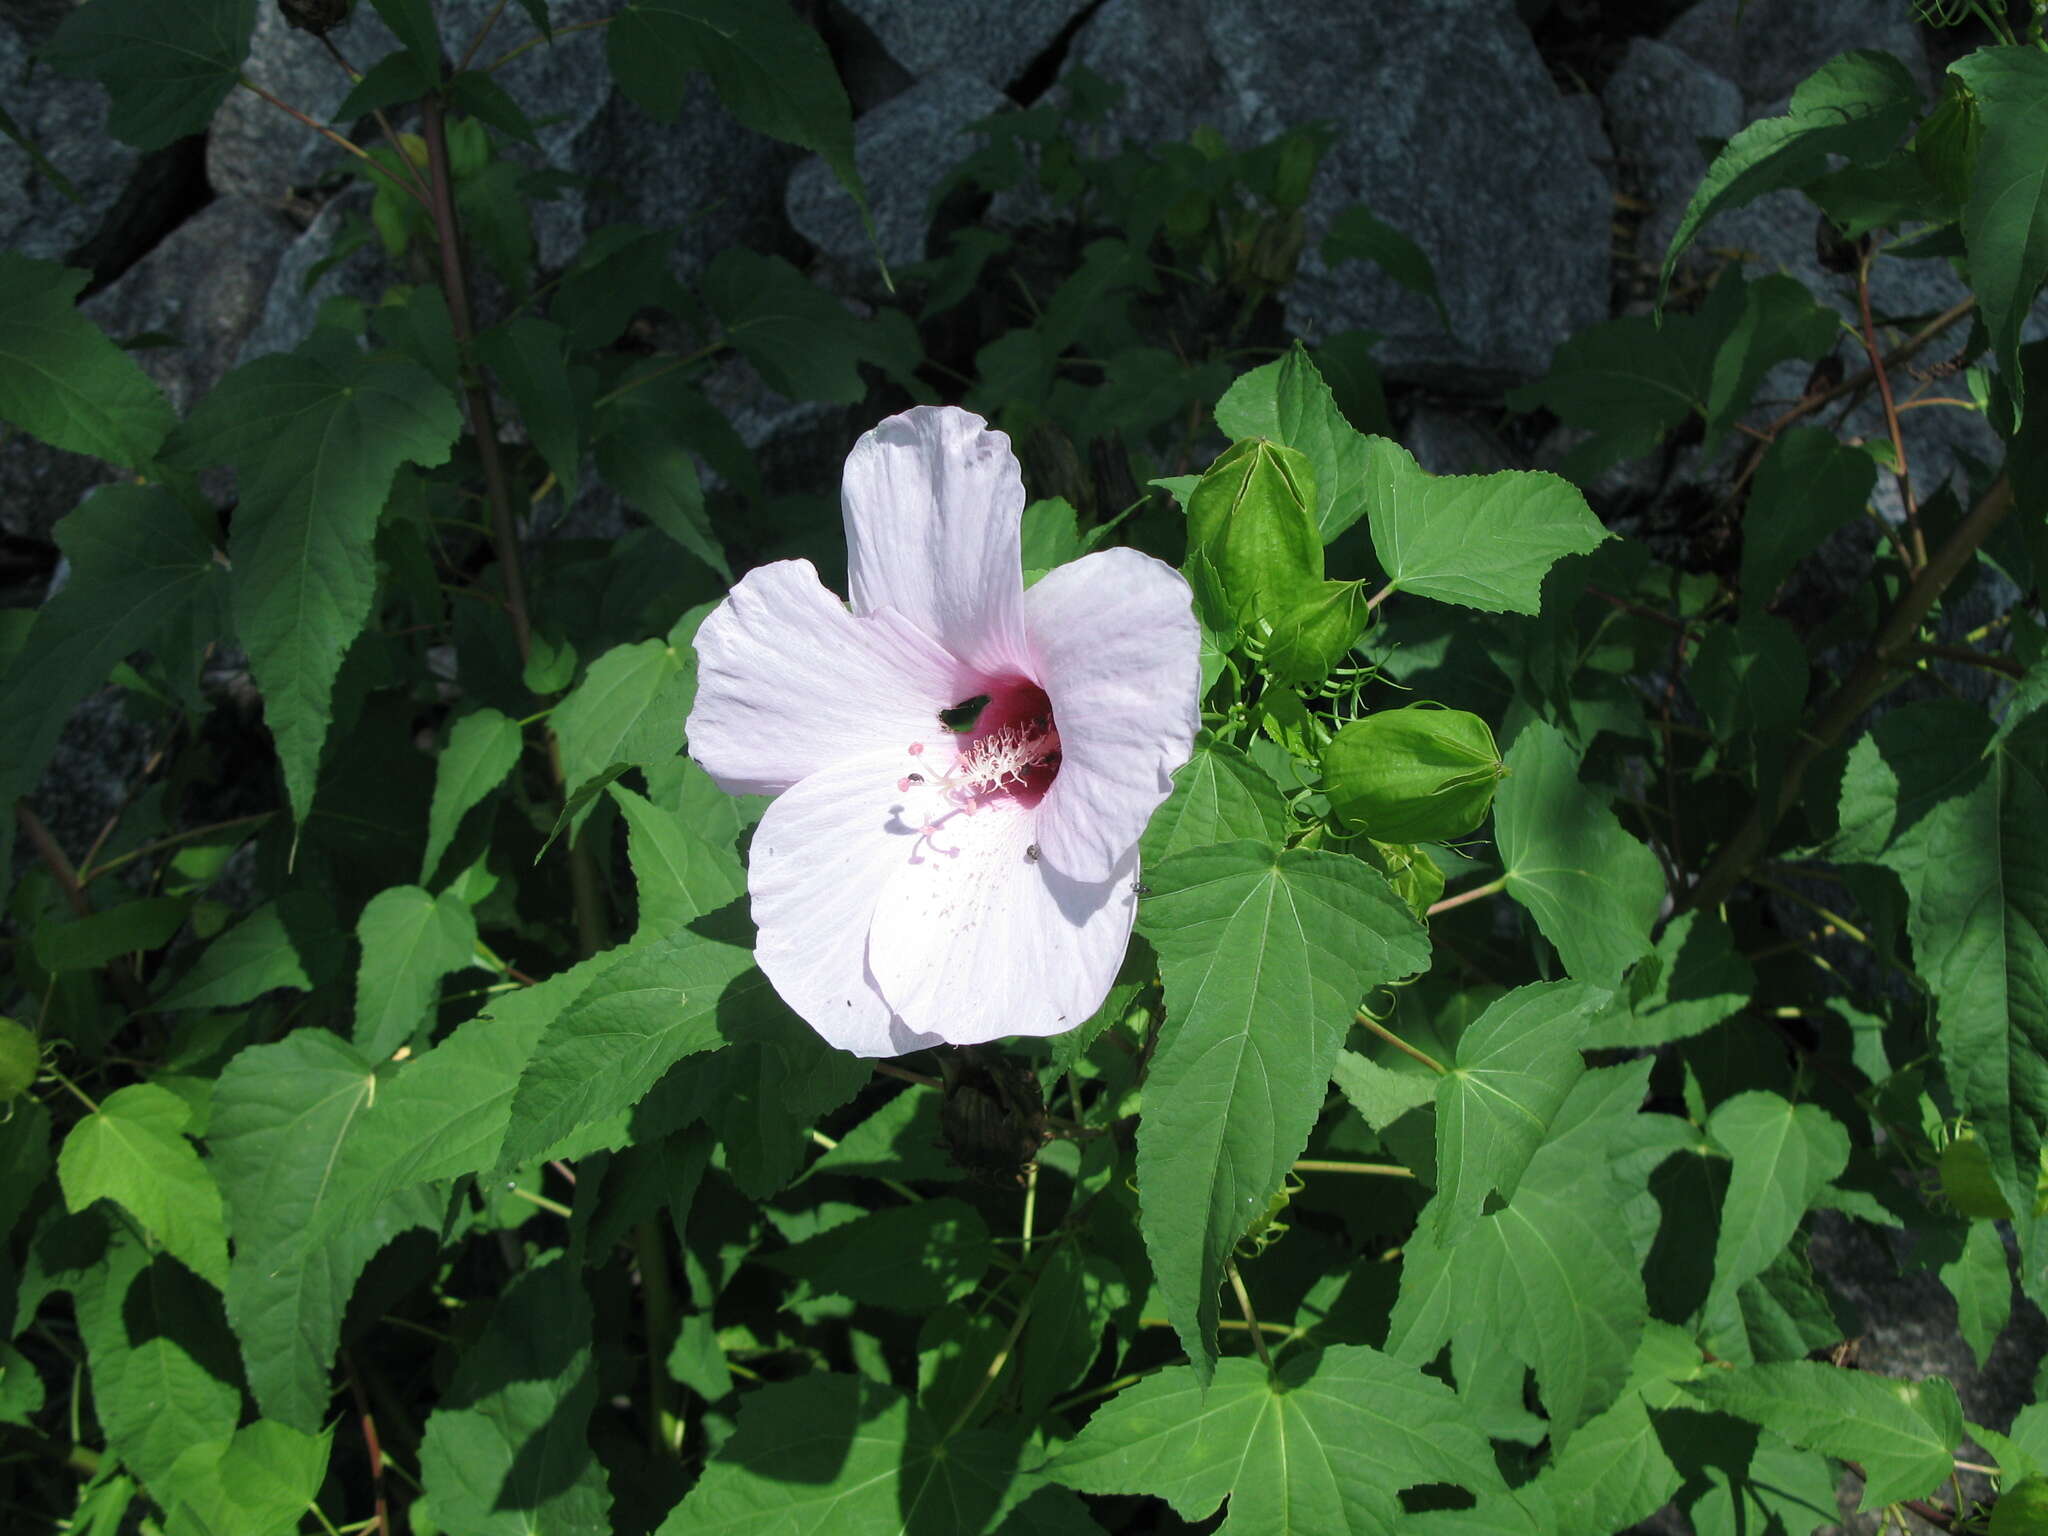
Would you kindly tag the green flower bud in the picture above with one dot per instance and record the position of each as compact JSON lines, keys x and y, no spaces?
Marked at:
{"x":1252,"y":519}
{"x":1313,"y":636}
{"x":1414,"y":775}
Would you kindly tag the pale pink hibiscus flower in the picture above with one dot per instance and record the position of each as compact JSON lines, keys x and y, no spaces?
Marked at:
{"x":917,"y":884}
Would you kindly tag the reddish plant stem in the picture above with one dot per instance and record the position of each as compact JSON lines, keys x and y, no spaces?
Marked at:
{"x":124,"y":979}
{"x":1915,"y":539}
{"x":482,"y":421}
{"x":1892,"y":648}
{"x":372,"y":1446}
{"x":340,"y":140}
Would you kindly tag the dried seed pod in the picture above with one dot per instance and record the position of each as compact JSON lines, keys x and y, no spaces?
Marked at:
{"x":315,"y":16}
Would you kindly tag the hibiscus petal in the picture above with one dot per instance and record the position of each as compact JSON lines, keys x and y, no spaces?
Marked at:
{"x":1117,"y":650}
{"x":820,"y":861}
{"x":934,"y":503}
{"x":974,"y":939}
{"x":788,"y":681}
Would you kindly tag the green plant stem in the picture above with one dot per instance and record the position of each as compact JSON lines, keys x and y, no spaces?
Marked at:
{"x":709,"y":349}
{"x":1030,"y":1208}
{"x":1916,"y":540}
{"x":94,"y":871}
{"x":1476,"y":893}
{"x":1964,"y":656}
{"x":1251,"y":1318}
{"x":341,"y":141}
{"x":1384,"y":1170}
{"x":585,"y":888}
{"x":1866,"y":681}
{"x":1379,"y":597}
{"x":657,"y":1302}
{"x":1386,"y":1034}
{"x":482,"y":32}
{"x":552,"y":1207}
{"x":995,"y":1366}
{"x":118,"y":972}
{"x":483,"y":423}
{"x":535,"y":41}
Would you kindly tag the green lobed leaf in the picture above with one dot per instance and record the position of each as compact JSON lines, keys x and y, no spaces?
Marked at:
{"x":805,"y":343}
{"x":1380,"y":1094}
{"x":678,"y":872}
{"x":1613,"y":1473}
{"x":317,"y":436}
{"x":771,"y":71}
{"x":2005,"y":221}
{"x":165,"y":67}
{"x":1219,"y":795}
{"x":1322,"y":1450}
{"x":410,"y":939}
{"x":251,"y":958}
{"x":161,"y":1359}
{"x":281,"y":1113}
{"x":1785,"y":1155}
{"x":506,"y":1453}
{"x":1809,"y":484}
{"x":529,"y":358}
{"x":1979,"y":1277}
{"x":1287,"y":402}
{"x":1905,"y":1433}
{"x":764,"y":1091}
{"x":1483,"y":541}
{"x":638,"y":1015}
{"x":1265,"y":954}
{"x":1695,"y":979}
{"x":1780,"y":320}
{"x":1552,"y":1280}
{"x":258,"y":1482}
{"x":644,"y":452}
{"x":132,"y":1151}
{"x":62,"y":380}
{"x":1356,"y":234}
{"x":483,"y":746}
{"x":141,"y":567}
{"x":1593,"y":889}
{"x":87,"y":943}
{"x":1856,"y":104}
{"x":834,"y":1455}
{"x":1515,"y":1064}
{"x":1961,"y":828}
{"x":908,"y":1258}
{"x":629,"y":708}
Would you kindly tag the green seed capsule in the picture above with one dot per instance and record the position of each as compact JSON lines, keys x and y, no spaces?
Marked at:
{"x":1414,"y":775}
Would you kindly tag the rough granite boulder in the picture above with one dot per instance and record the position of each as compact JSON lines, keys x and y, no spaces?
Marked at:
{"x":904,"y":149}
{"x":199,"y":293}
{"x":1448,"y":127}
{"x":1768,"y":49}
{"x":66,"y":120}
{"x":253,"y":149}
{"x":996,"y":40}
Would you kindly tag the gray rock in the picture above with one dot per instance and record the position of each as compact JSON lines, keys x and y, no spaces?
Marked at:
{"x":704,"y":175}
{"x":1773,"y":47}
{"x":292,"y":304}
{"x":1448,"y":443}
{"x":1661,"y":101}
{"x":253,"y":149}
{"x":564,"y":87}
{"x":34,"y":19}
{"x":1448,"y":127}
{"x":205,"y":287}
{"x":66,"y":120}
{"x":996,"y":39}
{"x":904,"y":149}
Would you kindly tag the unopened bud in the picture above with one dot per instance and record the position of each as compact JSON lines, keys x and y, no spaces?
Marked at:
{"x":315,"y":16}
{"x":1414,"y":775}
{"x":1252,"y":521}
